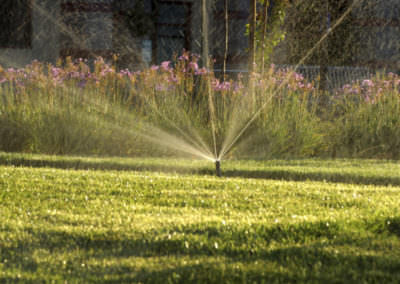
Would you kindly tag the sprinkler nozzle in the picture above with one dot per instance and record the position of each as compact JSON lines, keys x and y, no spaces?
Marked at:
{"x":218,"y":168}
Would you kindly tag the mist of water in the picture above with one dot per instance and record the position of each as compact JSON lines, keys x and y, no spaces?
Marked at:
{"x":236,"y":132}
{"x":178,"y":132}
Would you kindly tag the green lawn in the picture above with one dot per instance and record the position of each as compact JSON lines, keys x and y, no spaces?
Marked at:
{"x":153,"y":220}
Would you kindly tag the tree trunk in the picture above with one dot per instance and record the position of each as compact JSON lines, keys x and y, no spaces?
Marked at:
{"x":264,"y":32}
{"x":226,"y":36}
{"x":204,"y":34}
{"x":252,"y":35}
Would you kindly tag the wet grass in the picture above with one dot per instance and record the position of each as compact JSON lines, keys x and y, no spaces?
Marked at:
{"x":115,"y":220}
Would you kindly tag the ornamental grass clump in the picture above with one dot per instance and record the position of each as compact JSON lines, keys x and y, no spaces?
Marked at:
{"x":75,"y":107}
{"x":93,"y":108}
{"x":61,"y":109}
{"x":367,"y":118}
{"x":288,"y":124}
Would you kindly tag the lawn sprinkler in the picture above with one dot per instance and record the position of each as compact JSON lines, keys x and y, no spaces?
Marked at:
{"x":218,"y":167}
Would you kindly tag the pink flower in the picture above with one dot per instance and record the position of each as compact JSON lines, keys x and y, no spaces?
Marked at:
{"x":154,"y":67}
{"x":55,"y":71}
{"x":310,"y":86}
{"x":195,"y":56}
{"x":201,"y":71}
{"x":184,"y":57}
{"x":74,"y":74}
{"x":125,"y":72}
{"x":165,"y":65}
{"x":224,"y":86}
{"x":193,"y":66}
{"x":298,"y":77}
{"x":237,"y":87}
{"x":367,"y":83}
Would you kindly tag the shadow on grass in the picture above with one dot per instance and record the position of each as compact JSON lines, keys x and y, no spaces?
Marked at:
{"x":201,"y":236}
{"x":82,"y":164}
{"x":293,"y":175}
{"x":290,"y":174}
{"x":301,"y":261}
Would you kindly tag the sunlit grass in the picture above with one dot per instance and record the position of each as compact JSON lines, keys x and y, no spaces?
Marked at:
{"x":134,"y":225}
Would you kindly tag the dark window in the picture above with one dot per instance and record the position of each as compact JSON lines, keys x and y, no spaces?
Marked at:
{"x":15,"y":24}
{"x":238,"y":15}
{"x":172,"y":28}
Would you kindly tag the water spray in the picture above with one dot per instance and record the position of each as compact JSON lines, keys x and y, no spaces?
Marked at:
{"x":218,"y":167}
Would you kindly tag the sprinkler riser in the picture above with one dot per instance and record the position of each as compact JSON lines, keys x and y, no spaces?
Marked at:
{"x":218,"y":168}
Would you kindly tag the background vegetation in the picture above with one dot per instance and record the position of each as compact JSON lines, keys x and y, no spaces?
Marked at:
{"x":72,"y":108}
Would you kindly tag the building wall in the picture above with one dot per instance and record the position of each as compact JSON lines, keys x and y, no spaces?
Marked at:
{"x":44,"y":38}
{"x":87,"y":28}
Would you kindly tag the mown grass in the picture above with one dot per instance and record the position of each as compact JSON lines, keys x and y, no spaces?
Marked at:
{"x":125,"y":223}
{"x":357,"y":171}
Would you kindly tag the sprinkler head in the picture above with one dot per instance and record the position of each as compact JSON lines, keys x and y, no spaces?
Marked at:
{"x":218,"y":168}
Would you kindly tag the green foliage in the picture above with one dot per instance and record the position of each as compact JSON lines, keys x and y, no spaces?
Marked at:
{"x":367,"y":120}
{"x":181,"y":109}
{"x":288,"y":127}
{"x":69,"y":109}
{"x":274,"y":33}
{"x":118,"y":226}
{"x":342,"y":25}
